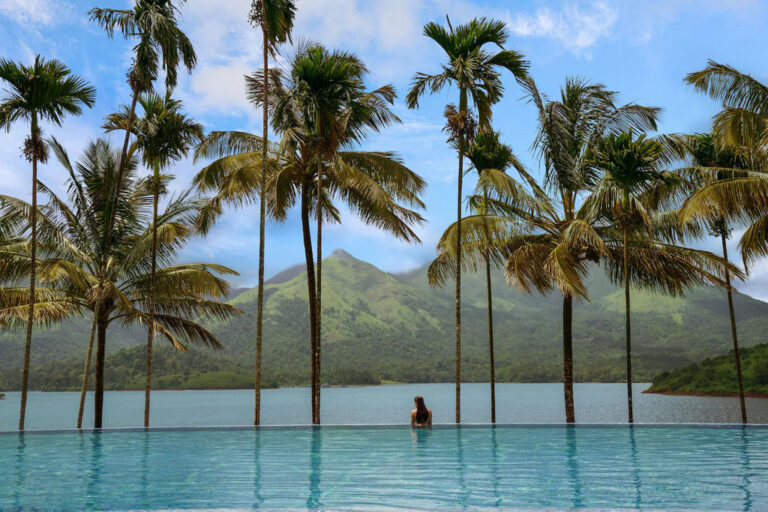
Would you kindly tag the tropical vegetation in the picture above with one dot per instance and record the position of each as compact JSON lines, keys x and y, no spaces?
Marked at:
{"x":44,"y":91}
{"x":163,"y":135}
{"x":475,"y":72}
{"x":615,"y":198}
{"x":275,"y":18}
{"x":72,"y":245}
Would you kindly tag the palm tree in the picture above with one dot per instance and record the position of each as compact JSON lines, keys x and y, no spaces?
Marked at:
{"x":275,"y":17}
{"x":163,"y":136}
{"x":558,"y":252}
{"x":632,"y":166}
{"x":714,"y":169}
{"x":740,"y":135}
{"x":474,"y":71}
{"x":71,"y":241}
{"x":743,"y":122}
{"x":160,"y":44}
{"x":485,"y":228}
{"x":322,"y":111}
{"x":45,"y":91}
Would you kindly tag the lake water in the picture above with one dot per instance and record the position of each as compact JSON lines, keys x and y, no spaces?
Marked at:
{"x":515,"y":403}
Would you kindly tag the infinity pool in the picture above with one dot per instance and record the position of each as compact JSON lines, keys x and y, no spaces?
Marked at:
{"x":508,"y":467}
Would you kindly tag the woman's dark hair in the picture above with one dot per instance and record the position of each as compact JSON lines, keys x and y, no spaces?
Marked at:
{"x":422,"y":413}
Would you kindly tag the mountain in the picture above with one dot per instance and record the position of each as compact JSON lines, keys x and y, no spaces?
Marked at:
{"x":717,"y":376}
{"x":382,"y":326}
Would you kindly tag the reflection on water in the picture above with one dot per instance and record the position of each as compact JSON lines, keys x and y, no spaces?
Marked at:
{"x":20,"y":470}
{"x":315,"y":461}
{"x":495,"y":466}
{"x":94,"y":472}
{"x":461,"y":468}
{"x":635,"y":466}
{"x":745,"y":464}
{"x":145,"y":469}
{"x":258,"y":499}
{"x":573,"y":466}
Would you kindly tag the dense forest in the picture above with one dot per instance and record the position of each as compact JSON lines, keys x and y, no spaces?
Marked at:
{"x":717,"y":375}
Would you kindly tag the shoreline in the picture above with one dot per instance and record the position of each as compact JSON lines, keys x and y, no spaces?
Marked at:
{"x":325,"y":386}
{"x":705,"y":395}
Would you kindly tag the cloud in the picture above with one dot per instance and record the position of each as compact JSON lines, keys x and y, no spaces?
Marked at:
{"x":576,"y":28}
{"x":36,"y":12}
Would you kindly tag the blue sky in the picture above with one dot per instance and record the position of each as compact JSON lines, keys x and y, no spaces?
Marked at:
{"x":641,"y":48}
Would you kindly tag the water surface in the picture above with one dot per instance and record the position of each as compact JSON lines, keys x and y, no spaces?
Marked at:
{"x":515,"y":403}
{"x":386,"y":468}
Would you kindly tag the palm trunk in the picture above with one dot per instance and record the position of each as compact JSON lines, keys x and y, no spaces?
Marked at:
{"x":262,"y":235}
{"x":106,"y":248}
{"x":87,"y":370}
{"x":462,"y":108}
{"x":98,"y":394}
{"x":311,"y":289}
{"x":570,"y":414}
{"x":736,"y":355}
{"x":318,"y":309}
{"x":630,"y":417}
{"x":151,"y":305}
{"x":490,"y":337}
{"x":32,"y":276}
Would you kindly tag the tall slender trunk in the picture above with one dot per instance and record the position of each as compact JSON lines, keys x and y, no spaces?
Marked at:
{"x":32,"y":275}
{"x":319,"y":309}
{"x":87,"y":370}
{"x":262,"y":236}
{"x":311,"y":289}
{"x":736,"y":355}
{"x":98,"y":398}
{"x":630,"y":416}
{"x":570,"y":414}
{"x":490,"y":336}
{"x":98,"y":394}
{"x":462,"y":108}
{"x":152,"y":289}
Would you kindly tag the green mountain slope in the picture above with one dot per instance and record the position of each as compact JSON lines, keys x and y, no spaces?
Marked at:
{"x":382,"y":326}
{"x":717,"y":376}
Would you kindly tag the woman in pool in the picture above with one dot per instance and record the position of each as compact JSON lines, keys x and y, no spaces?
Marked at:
{"x":421,"y":416}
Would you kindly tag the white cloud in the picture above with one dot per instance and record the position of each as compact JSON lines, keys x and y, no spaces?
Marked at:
{"x":228,"y":47}
{"x":219,"y":88}
{"x":391,"y":24}
{"x":35,"y":12}
{"x":576,"y":28}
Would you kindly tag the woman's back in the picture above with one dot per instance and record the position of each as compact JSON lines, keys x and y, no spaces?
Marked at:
{"x":421,"y":416}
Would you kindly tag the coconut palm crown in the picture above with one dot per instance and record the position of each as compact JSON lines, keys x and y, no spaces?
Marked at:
{"x":72,"y":256}
{"x":322,"y":111}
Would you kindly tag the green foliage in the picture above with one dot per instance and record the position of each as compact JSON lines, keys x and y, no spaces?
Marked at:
{"x":718,"y":375}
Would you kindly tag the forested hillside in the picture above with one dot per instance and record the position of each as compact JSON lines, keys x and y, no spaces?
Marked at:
{"x":380,"y":326}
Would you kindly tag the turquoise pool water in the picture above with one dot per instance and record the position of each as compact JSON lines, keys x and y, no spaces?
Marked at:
{"x":508,"y":467}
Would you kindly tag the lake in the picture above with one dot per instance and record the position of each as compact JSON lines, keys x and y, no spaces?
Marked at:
{"x":515,"y":403}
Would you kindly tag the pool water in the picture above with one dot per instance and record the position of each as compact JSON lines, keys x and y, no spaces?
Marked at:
{"x":508,"y":467}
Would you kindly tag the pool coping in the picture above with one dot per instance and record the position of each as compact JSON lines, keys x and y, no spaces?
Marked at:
{"x":440,"y":426}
